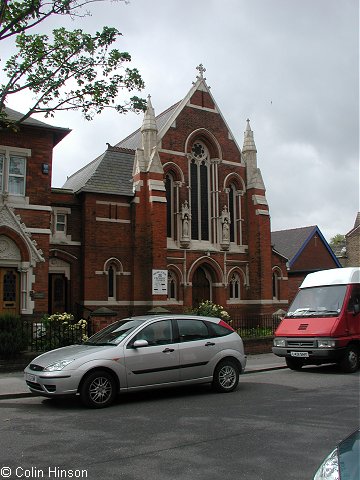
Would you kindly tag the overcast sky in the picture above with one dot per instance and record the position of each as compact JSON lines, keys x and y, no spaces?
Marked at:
{"x":291,"y":66}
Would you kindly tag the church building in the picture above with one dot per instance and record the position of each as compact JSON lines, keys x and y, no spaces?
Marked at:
{"x":173,"y":214}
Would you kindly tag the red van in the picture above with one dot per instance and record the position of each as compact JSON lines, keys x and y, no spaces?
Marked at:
{"x":323,"y":322}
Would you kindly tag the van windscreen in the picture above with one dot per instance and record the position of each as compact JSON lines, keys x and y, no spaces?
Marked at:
{"x":323,"y":301}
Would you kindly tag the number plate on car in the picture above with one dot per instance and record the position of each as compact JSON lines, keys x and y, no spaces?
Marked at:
{"x":30,"y":378}
{"x":299,"y":354}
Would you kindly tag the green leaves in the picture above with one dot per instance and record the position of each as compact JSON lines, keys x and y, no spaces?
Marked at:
{"x":68,"y":70}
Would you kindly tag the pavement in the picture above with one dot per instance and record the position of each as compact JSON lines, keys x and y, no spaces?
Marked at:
{"x":12,"y":384}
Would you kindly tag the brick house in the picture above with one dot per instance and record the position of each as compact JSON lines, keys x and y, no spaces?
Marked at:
{"x":306,"y":250}
{"x":348,"y":251}
{"x":173,"y":214}
{"x":25,"y":214}
{"x":352,"y":239}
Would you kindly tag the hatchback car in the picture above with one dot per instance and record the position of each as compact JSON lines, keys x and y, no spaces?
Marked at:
{"x":141,"y":352}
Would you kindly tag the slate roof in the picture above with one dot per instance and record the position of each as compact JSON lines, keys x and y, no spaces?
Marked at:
{"x":59,"y":132}
{"x":291,"y":243}
{"x":110,"y":173}
{"x":133,"y":141}
{"x":356,"y":225}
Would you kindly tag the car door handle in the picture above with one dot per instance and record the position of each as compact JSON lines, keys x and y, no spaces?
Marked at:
{"x":168,"y":350}
{"x":209,"y":344}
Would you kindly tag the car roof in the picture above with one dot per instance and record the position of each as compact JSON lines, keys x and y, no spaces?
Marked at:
{"x":171,"y":316}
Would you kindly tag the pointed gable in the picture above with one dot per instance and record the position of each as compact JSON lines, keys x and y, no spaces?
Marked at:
{"x":292,"y":244}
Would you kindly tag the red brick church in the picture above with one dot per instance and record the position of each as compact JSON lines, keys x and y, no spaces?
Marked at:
{"x":173,"y":214}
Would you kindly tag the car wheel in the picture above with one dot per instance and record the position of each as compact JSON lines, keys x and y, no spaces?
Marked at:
{"x":294,"y":363}
{"x":226,"y":376}
{"x":350,"y":361}
{"x":98,"y":390}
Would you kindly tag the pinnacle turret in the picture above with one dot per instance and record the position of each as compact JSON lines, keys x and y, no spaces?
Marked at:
{"x":249,"y":144}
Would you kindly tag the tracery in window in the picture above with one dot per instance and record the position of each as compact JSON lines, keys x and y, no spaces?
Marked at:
{"x":199,"y":183}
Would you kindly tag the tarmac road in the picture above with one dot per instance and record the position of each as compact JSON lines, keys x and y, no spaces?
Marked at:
{"x":278,"y":424}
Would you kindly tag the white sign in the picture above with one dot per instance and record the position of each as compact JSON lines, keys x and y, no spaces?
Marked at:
{"x":159,"y":282}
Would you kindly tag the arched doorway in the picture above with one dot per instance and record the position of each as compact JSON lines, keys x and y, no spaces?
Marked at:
{"x":10,"y":280}
{"x":201,"y":286}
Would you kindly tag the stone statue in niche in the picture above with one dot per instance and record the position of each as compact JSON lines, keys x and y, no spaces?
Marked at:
{"x":225,"y":228}
{"x":185,"y":225}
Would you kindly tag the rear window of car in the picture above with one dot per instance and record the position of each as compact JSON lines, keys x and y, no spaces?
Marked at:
{"x":191,"y":330}
{"x":219,"y":330}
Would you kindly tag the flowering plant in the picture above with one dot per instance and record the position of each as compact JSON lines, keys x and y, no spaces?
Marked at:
{"x":60,"y":329}
{"x":209,"y":309}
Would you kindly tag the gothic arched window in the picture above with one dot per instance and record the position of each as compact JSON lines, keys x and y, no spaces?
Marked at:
{"x":170,"y":206}
{"x":234,"y":287}
{"x":111,"y":282}
{"x":276,"y":285}
{"x":199,"y":183}
{"x":172,"y":286}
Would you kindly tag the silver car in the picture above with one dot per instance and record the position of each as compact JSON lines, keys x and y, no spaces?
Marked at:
{"x":141,"y":352}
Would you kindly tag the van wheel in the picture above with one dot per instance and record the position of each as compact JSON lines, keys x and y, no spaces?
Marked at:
{"x":98,"y":390}
{"x":350,"y":361}
{"x":226,"y":376}
{"x":294,"y":363}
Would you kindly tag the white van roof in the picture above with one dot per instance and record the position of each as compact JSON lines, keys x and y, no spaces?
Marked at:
{"x":334,"y":276}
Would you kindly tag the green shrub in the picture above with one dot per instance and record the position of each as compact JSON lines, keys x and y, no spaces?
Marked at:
{"x":13,"y":337}
{"x":60,"y":330}
{"x":209,"y":309}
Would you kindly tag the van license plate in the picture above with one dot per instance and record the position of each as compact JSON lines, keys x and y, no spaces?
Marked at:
{"x":299,"y":354}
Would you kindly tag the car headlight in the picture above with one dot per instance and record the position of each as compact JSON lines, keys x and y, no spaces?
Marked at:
{"x":326,"y":343}
{"x":57,"y":365}
{"x":329,"y":469}
{"x":279,"y":342}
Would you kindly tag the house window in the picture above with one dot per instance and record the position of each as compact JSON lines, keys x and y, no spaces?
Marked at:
{"x":60,"y":224}
{"x":234,"y":287}
{"x":13,"y":170}
{"x":199,"y":182}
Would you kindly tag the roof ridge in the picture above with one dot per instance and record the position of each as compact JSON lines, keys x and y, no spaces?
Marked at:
{"x":295,"y":228}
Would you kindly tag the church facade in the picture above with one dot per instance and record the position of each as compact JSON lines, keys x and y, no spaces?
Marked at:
{"x":174,"y":214}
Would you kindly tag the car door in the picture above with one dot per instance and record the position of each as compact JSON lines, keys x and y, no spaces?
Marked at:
{"x":196,"y":349}
{"x":158,"y":362}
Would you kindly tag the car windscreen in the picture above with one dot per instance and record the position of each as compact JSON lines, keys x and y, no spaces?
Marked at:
{"x":323,"y":301}
{"x":114,"y":333}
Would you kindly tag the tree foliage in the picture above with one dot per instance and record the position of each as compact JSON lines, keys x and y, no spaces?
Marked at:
{"x":64,"y":70}
{"x":337,"y":239}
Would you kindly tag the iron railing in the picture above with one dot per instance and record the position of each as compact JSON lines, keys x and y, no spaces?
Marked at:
{"x":38,"y":336}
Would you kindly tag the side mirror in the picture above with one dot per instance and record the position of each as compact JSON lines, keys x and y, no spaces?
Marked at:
{"x":140,"y":343}
{"x":356,"y":308}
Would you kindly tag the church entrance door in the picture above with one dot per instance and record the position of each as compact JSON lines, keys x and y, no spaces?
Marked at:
{"x":201,"y":287}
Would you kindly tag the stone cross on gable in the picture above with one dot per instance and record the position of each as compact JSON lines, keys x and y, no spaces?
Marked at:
{"x":201,"y":69}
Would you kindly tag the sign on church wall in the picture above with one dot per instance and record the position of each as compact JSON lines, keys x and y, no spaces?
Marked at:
{"x":159,"y":282}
